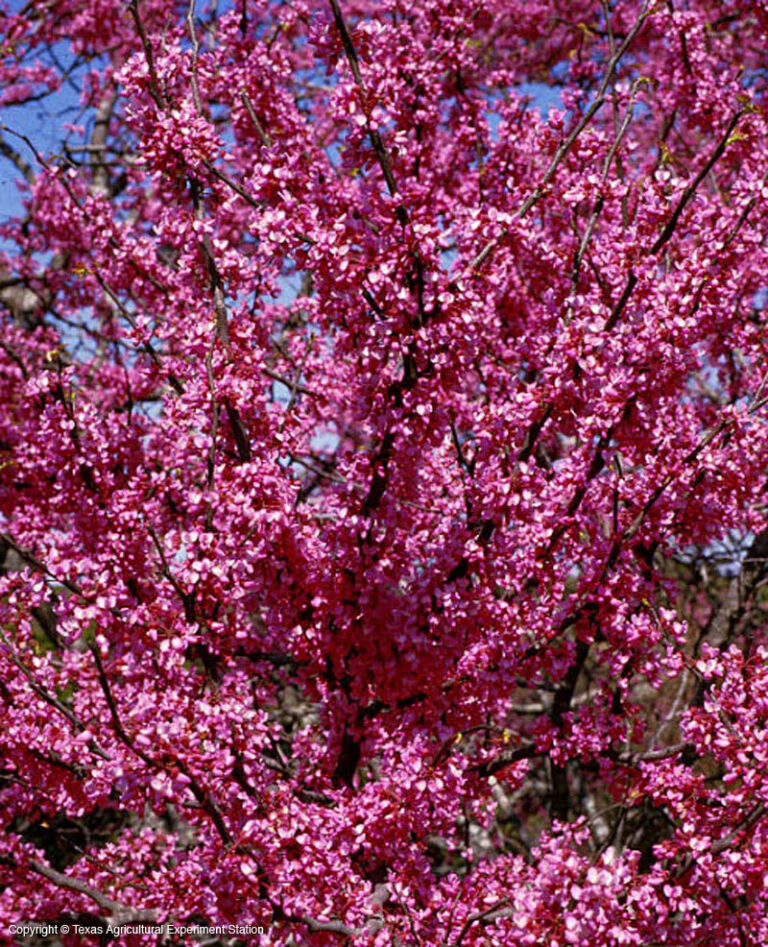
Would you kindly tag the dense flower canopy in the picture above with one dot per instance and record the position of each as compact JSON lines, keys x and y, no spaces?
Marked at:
{"x":382,"y":471}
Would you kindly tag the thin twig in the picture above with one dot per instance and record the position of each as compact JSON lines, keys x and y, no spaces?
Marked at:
{"x":155,"y":89}
{"x":378,"y":146}
{"x":538,"y":192}
{"x":480,"y":916}
{"x":265,"y":139}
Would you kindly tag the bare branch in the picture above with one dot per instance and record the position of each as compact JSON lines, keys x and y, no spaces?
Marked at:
{"x":119,"y":913}
{"x":15,"y":158}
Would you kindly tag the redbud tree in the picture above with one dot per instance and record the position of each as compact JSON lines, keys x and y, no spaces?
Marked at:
{"x":382,"y":471}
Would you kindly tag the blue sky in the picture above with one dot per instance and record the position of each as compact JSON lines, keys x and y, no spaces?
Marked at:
{"x":42,"y":121}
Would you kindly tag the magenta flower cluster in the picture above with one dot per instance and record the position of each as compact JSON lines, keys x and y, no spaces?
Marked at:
{"x":383,"y":402}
